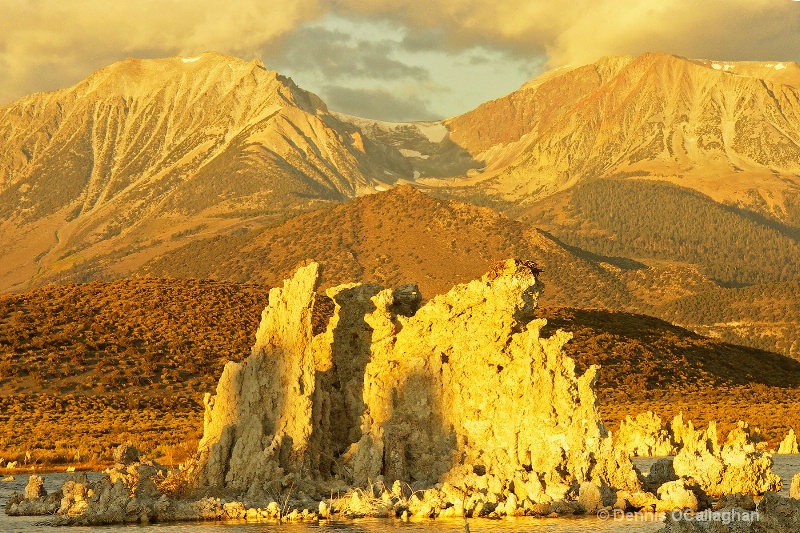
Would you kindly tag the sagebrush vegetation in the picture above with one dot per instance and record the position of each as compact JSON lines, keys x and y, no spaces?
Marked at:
{"x":85,"y":367}
{"x":656,"y":220}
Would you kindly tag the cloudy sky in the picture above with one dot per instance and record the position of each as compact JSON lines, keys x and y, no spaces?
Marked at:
{"x":388,"y":59}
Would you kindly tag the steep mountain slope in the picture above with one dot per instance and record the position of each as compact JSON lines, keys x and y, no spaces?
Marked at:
{"x":730,"y":130}
{"x":145,"y":153}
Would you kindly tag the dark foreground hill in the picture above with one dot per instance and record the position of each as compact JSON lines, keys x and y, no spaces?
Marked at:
{"x":86,"y":367}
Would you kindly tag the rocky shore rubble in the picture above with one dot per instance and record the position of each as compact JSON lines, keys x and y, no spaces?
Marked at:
{"x":368,"y":402}
{"x":774,"y":514}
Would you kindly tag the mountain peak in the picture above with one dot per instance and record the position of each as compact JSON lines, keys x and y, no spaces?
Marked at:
{"x":148,"y":144}
{"x":133,"y":76}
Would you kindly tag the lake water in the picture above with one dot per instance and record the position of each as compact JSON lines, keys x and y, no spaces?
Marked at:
{"x":785,"y":466}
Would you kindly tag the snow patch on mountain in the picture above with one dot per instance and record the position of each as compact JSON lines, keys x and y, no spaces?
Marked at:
{"x":413,"y":153}
{"x":434,"y":131}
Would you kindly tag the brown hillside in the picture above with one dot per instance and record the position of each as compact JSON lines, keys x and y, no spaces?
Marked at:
{"x":401,"y":236}
{"x":404,"y":235}
{"x":86,"y":367}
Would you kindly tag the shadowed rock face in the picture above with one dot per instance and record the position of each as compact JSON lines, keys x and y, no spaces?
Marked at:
{"x":459,"y":388}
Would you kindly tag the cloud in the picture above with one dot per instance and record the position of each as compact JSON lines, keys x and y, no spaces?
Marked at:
{"x":337,"y":55}
{"x":377,"y":104}
{"x":581,"y":31}
{"x":46,"y":44}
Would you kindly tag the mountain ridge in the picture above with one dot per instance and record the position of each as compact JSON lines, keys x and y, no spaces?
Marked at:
{"x":152,"y":170}
{"x":165,"y":143}
{"x":666,"y":117}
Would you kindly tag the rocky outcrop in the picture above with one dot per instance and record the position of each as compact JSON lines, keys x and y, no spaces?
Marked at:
{"x":735,"y":467}
{"x":644,"y":436}
{"x":258,"y":426}
{"x":35,"y":501}
{"x":789,"y":443}
{"x":391,"y":390}
{"x":458,"y":407}
{"x":126,"y":494}
{"x":446,"y":388}
{"x":684,"y":433}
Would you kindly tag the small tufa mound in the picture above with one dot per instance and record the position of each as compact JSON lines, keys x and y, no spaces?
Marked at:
{"x":789,"y":444}
{"x":735,"y":467}
{"x":35,"y":501}
{"x":35,"y":488}
{"x":126,"y":454}
{"x":644,"y":436}
{"x":794,"y":489}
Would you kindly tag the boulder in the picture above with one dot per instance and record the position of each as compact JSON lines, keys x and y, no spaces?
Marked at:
{"x":590,"y":497}
{"x":676,"y":495}
{"x":661,"y":472}
{"x":742,"y":501}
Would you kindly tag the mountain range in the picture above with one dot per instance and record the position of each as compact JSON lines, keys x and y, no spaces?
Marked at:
{"x":655,"y":184}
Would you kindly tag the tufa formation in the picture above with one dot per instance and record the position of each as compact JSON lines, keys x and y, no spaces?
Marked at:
{"x":454,"y":390}
{"x":452,"y":407}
